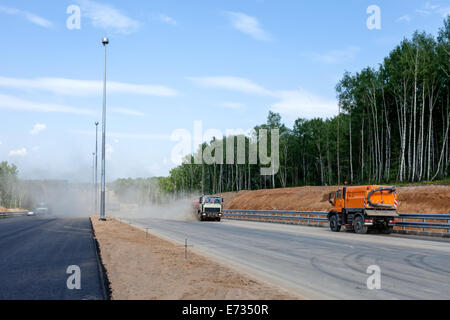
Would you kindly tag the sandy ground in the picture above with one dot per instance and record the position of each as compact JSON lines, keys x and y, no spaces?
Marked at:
{"x":3,"y":209}
{"x":142,"y":268}
{"x":412,"y":199}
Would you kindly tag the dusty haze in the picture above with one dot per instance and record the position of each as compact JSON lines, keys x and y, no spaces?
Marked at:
{"x":180,"y":209}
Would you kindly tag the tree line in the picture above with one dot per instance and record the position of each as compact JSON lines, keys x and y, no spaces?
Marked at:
{"x":10,"y":191}
{"x":392,"y":126}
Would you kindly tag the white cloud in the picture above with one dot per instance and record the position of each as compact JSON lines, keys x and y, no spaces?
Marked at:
{"x":405,"y":18}
{"x":336,"y":56}
{"x":231,"y":83}
{"x":18,"y":153}
{"x":444,"y":12}
{"x":84,"y":87}
{"x":304,"y":104}
{"x":290,"y":103}
{"x":248,"y":25}
{"x":38,"y":20}
{"x":122,"y":135}
{"x":430,"y":8}
{"x":13,"y":103}
{"x":107,"y":17}
{"x":129,"y":112}
{"x":34,"y":149}
{"x":31,"y":17}
{"x":109,"y":151}
{"x":423,"y":12}
{"x":232,"y":105}
{"x":166,"y":19}
{"x":38,"y":127}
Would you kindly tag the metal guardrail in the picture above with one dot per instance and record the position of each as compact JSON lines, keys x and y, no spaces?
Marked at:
{"x":11,"y":214}
{"x":424,"y":223}
{"x":320,"y":217}
{"x":275,"y":215}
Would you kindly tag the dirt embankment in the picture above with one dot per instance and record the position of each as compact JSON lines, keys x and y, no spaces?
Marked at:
{"x":3,"y":209}
{"x":144,"y":267}
{"x":412,"y":199}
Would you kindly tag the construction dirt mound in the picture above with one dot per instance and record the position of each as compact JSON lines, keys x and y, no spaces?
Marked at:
{"x":3,"y":209}
{"x":412,"y":199}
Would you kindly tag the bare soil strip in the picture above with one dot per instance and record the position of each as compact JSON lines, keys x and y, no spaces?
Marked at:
{"x":412,"y":199}
{"x":141,"y":267}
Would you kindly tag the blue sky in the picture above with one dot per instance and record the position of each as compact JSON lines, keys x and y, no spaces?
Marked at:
{"x":170,"y":63}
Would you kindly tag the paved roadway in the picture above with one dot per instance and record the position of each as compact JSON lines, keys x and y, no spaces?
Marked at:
{"x":317,"y":263}
{"x":34,"y":256}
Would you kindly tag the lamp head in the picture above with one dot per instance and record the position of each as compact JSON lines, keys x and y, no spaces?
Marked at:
{"x":105,"y":41}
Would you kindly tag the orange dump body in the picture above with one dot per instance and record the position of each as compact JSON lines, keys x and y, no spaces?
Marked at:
{"x":364,"y":197}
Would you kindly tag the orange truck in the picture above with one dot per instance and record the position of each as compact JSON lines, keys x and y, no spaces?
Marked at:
{"x":363,"y":208}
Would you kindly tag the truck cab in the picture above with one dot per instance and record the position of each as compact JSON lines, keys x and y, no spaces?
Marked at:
{"x":363,"y":208}
{"x":42,"y":209}
{"x":210,"y":208}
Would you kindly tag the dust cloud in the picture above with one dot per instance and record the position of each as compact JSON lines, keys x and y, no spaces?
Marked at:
{"x":180,"y":209}
{"x":135,"y":198}
{"x":143,"y":198}
{"x":63,"y":199}
{"x":74,"y":204}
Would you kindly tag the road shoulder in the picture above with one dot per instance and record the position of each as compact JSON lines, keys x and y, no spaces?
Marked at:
{"x":142,"y":267}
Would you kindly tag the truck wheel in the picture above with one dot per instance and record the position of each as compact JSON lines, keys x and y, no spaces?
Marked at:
{"x":334,"y":224}
{"x":218,"y":219}
{"x":359,"y":225}
{"x":387,"y":230}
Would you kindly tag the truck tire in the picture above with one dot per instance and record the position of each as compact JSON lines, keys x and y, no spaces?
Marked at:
{"x":334,"y":223}
{"x":218,"y":219}
{"x":387,"y":230}
{"x":358,"y":225}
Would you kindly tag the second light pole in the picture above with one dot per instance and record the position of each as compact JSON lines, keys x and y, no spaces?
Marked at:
{"x":105,"y":42}
{"x":96,"y":167}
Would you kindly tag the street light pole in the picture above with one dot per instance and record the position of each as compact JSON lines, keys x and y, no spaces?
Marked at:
{"x":93,"y":182}
{"x":96,"y":166}
{"x":105,"y":41}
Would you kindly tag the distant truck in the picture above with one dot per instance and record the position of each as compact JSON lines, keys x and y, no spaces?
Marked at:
{"x":42,"y":209}
{"x":209,"y":208}
{"x":363,"y":208}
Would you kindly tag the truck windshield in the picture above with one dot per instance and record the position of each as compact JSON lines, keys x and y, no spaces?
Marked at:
{"x":212,"y":200}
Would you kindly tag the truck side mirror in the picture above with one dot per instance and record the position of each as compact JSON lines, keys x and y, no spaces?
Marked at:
{"x":329,"y":198}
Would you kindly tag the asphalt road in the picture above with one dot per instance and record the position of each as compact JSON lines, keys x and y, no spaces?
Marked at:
{"x":34,"y":256}
{"x":317,"y":263}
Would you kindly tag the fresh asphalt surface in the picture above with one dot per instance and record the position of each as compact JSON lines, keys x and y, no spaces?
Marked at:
{"x":34,"y":256}
{"x":317,"y":263}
